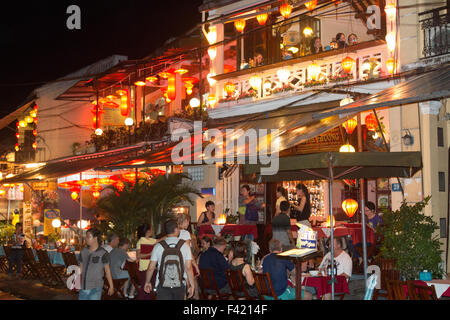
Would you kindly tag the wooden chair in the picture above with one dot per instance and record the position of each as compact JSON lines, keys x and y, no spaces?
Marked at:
{"x":7,"y":250}
{"x":133,"y":271}
{"x":421,"y":291}
{"x":237,"y":285}
{"x":3,"y":264}
{"x":208,"y":286}
{"x":387,"y":272}
{"x":55,"y":272}
{"x":396,"y":290}
{"x":264,"y":285}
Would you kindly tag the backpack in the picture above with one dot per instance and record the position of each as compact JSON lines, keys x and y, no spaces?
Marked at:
{"x":251,"y":212}
{"x":171,"y":270}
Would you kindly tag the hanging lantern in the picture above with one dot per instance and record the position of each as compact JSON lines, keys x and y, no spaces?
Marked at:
{"x":350,"y":125}
{"x":391,"y":65}
{"x":349,"y":206}
{"x":194,"y":103}
{"x":255,"y":82}
{"x":212,"y":100}
{"x":74,"y":193}
{"x":347,"y":64}
{"x":346,"y":101}
{"x":327,"y":223}
{"x":18,"y":124}
{"x":239,"y":25}
{"x":229,"y":88}
{"x":188,"y":86}
{"x":347,"y":148}
{"x":211,"y":36}
{"x":212,"y":53}
{"x":171,"y":89}
{"x":311,"y":5}
{"x":23,"y":123}
{"x":96,"y":123}
{"x":210,"y":79}
{"x":35,"y":121}
{"x":390,"y":41}
{"x":124,"y":109}
{"x":390,"y":10}
{"x":17,"y":135}
{"x":371,"y":122}
{"x":16,"y":147}
{"x":98,"y":131}
{"x":164,"y":75}
{"x":262,"y":18}
{"x":96,"y":188}
{"x":283,"y":75}
{"x":139,"y":83}
{"x":33,"y":113}
{"x":181,"y":71}
{"x":21,"y":188}
{"x":313,"y":71}
{"x":308,"y":31}
{"x":285,"y":10}
{"x":151,"y":79}
{"x":34,"y":145}
{"x":35,"y":132}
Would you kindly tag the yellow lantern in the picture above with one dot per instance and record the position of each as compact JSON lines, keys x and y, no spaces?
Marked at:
{"x":313,"y":71}
{"x":391,"y":41}
{"x":390,"y":10}
{"x":285,"y":10}
{"x":29,"y":119}
{"x":212,"y":53}
{"x":347,"y":148}
{"x":33,"y":113}
{"x":311,"y":5}
{"x":349,"y":206}
{"x":139,"y":83}
{"x":255,"y":82}
{"x":262,"y":18}
{"x":391,"y":65}
{"x":188,"y":86}
{"x":152,"y":79}
{"x":212,"y":100}
{"x":23,"y":123}
{"x":350,"y":125}
{"x":239,"y":25}
{"x":211,"y":36}
{"x":308,"y":31}
{"x":347,"y":64}
{"x":74,"y":195}
{"x":229,"y":88}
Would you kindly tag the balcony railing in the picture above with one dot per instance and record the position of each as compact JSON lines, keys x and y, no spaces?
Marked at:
{"x":436,"y":32}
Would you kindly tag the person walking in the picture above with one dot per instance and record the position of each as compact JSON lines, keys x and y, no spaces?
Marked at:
{"x":94,"y":265}
{"x":173,"y":259}
{"x":119,"y":257}
{"x":144,"y":249}
{"x":16,"y":255}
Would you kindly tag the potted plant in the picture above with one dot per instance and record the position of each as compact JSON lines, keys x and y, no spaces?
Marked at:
{"x":409,"y":238}
{"x":76,"y":148}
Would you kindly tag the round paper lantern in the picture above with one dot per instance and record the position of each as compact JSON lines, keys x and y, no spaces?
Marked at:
{"x":98,"y":131}
{"x":391,"y":65}
{"x":229,"y":88}
{"x":350,"y":125}
{"x":188,"y":86}
{"x":16,"y":147}
{"x":29,"y":119}
{"x":56,"y":223}
{"x":74,"y":195}
{"x":211,"y":36}
{"x":262,"y":18}
{"x":347,"y":148}
{"x":371,"y":122}
{"x":311,"y":5}
{"x":194,"y":103}
{"x":347,"y":64}
{"x":17,"y":135}
{"x":391,"y":41}
{"x":349,"y":206}
{"x":239,"y":25}
{"x":34,"y":145}
{"x":285,"y":10}
{"x":23,"y":123}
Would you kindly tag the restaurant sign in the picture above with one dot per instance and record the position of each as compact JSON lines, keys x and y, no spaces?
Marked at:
{"x":49,"y":216}
{"x":27,"y":219}
{"x":331,"y":140}
{"x":44,"y":185}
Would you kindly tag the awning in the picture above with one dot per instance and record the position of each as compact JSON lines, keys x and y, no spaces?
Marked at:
{"x":5,"y":121}
{"x":353,"y":165}
{"x":431,"y":85}
{"x":71,"y":165}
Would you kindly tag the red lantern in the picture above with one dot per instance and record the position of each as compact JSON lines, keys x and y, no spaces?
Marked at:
{"x":349,"y":206}
{"x":124,"y":108}
{"x":311,"y":5}
{"x":171,"y":92}
{"x":96,"y":124}
{"x":35,"y":132}
{"x":17,"y":135}
{"x":96,"y":188}
{"x":285,"y":10}
{"x":371,"y":122}
{"x":239,"y":25}
{"x":350,"y":125}
{"x":347,"y":64}
{"x":262,"y":18}
{"x":229,"y":88}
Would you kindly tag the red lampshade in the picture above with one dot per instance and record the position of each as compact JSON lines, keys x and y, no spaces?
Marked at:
{"x":350,"y":207}
{"x":347,"y":64}
{"x":262,"y":18}
{"x":171,"y":93}
{"x":311,"y":5}
{"x":350,"y":125}
{"x":239,"y":25}
{"x":285,"y":10}
{"x":371,"y":122}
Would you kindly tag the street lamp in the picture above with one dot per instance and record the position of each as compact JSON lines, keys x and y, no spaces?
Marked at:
{"x":129,"y":122}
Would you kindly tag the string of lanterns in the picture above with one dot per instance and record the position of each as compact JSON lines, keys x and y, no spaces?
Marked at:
{"x":28,"y":122}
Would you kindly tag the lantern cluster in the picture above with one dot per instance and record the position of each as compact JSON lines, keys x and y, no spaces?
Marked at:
{"x":29,"y":122}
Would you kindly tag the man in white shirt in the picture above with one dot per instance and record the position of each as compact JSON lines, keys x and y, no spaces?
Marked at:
{"x":344,"y":263}
{"x":112,"y":242}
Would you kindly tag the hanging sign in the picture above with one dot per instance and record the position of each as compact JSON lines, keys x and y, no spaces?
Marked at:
{"x":27,"y":220}
{"x":49,"y":215}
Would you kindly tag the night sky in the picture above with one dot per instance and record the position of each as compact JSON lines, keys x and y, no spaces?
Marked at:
{"x":37,"y":47}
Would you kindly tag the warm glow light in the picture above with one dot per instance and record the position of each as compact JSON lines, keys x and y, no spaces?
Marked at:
{"x":366,"y":65}
{"x":181,"y":71}
{"x":189,"y":87}
{"x":211,"y":36}
{"x":111,"y":97}
{"x":34,"y":145}
{"x":347,"y":64}
{"x":222,"y":219}
{"x":345,"y":101}
{"x":35,"y":132}
{"x":347,"y":148}
{"x":262,"y":18}
{"x":267,"y":85}
{"x":98,"y":132}
{"x":56,"y":223}
{"x":194,"y":103}
{"x":17,"y":135}
{"x":313,"y":71}
{"x":121,"y":92}
{"x":371,"y":122}
{"x":210,"y":79}
{"x":283,"y":75}
{"x":96,"y":194}
{"x":311,"y":5}
{"x":171,"y":88}
{"x":2,"y":192}
{"x":33,"y":113}
{"x":152,"y":79}
{"x":212,"y":100}
{"x":390,"y":10}
{"x":229,"y":88}
{"x":308,"y":31}
{"x":129,"y":122}
{"x":390,"y":41}
{"x":82,"y":224}
{"x":139,"y":83}
{"x":23,"y":123}
{"x":327,"y":223}
{"x":74,"y":195}
{"x":212,"y":53}
{"x":29,"y":119}
{"x":391,"y":65}
{"x":350,"y":125}
{"x":124,"y":110}
{"x":349,"y":206}
{"x":255,"y":82}
{"x":239,"y":25}
{"x":294,"y":50}
{"x":285,"y":10}
{"x":164,"y":75}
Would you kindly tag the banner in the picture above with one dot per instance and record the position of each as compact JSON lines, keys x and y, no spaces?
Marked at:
{"x":49,"y":215}
{"x":27,"y":220}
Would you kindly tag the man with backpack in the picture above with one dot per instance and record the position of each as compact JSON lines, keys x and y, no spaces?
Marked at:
{"x":173,"y":259}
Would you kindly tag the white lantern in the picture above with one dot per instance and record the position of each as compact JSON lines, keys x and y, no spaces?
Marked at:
{"x":98,"y":132}
{"x":212,"y":53}
{"x":210,"y":79}
{"x":211,"y":36}
{"x":283,"y":75}
{"x":82,"y":224}
{"x":194,"y":103}
{"x":391,"y":41}
{"x":346,"y":101}
{"x":56,"y":223}
{"x":129,"y":122}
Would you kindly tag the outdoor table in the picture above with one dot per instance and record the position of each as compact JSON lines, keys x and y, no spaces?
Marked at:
{"x":442,"y":286}
{"x":323,"y":285}
{"x":298,"y":256}
{"x":234,"y":229}
{"x":352,"y":229}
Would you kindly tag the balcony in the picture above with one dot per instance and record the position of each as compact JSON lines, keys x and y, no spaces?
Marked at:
{"x":436,"y":32}
{"x":304,"y":73}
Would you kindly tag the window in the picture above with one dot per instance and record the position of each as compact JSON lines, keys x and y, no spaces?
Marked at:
{"x":443,"y":227}
{"x":440,"y":137}
{"x":442,"y":181}
{"x":196,"y":173}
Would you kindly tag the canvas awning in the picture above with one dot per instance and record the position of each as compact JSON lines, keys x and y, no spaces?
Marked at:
{"x":428,"y":86}
{"x":352,"y":165}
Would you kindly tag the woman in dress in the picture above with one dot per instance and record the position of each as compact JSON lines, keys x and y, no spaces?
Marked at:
{"x":302,"y":207}
{"x":207,"y":217}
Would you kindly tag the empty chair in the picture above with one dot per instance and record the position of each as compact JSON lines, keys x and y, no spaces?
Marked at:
{"x":396,"y":290}
{"x":418,"y":291}
{"x":264,"y":286}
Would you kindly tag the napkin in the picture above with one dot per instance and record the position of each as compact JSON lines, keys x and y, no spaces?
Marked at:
{"x":217,"y":228}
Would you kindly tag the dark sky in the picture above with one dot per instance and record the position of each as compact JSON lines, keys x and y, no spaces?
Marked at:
{"x":37,"y":47}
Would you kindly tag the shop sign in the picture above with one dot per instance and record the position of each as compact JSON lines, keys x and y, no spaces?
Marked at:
{"x":396,"y":187}
{"x":45,"y":185}
{"x":49,"y":216}
{"x":27,"y":219}
{"x":329,"y":141}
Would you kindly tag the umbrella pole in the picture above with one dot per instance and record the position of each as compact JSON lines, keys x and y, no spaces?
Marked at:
{"x":330,"y":203}
{"x":364,"y":244}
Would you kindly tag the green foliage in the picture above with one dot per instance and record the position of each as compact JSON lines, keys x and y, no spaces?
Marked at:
{"x":409,"y":238}
{"x":146,"y":201}
{"x":6,"y":232}
{"x":53,"y":237}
